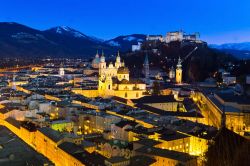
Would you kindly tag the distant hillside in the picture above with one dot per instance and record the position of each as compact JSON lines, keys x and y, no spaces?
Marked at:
{"x":239,"y":50}
{"x":232,"y":46}
{"x":18,"y":40}
{"x":202,"y":64}
{"x":125,"y":42}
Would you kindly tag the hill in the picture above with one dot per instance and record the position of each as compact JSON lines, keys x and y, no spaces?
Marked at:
{"x":20,"y":41}
{"x":202,"y":64}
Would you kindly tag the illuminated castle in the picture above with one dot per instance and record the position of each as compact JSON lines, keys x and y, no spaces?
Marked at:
{"x":114,"y":80}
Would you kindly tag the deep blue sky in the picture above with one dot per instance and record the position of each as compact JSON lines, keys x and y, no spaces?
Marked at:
{"x":218,"y":21}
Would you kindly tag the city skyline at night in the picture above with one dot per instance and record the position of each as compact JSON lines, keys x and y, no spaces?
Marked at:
{"x":217,"y":21}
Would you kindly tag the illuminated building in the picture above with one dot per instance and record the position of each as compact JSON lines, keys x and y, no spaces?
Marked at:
{"x":180,"y":36}
{"x":115,"y":81}
{"x":171,"y":73}
{"x":62,"y":125}
{"x":61,"y":71}
{"x":115,"y":148}
{"x":96,"y":61}
{"x":120,"y":130}
{"x":97,"y":122}
{"x":166,"y":103}
{"x":167,"y":157}
{"x":237,"y":117}
{"x":178,"y":76}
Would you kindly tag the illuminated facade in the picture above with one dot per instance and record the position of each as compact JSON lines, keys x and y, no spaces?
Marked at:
{"x":178,"y":76}
{"x":171,"y":74}
{"x":237,"y":115}
{"x":114,"y":81}
{"x":61,"y":71}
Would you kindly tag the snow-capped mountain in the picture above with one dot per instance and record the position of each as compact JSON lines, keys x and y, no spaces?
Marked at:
{"x":125,"y":42}
{"x":238,"y":50}
{"x":17,"y":40}
{"x":232,"y":46}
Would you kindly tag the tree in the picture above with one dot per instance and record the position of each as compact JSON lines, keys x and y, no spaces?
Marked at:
{"x":156,"y":88}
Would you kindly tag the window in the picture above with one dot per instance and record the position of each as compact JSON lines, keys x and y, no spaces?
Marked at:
{"x":126,"y":94}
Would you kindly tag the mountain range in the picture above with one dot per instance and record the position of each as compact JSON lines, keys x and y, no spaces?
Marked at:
{"x":17,"y":40}
{"x":244,"y":46}
{"x":239,"y":50}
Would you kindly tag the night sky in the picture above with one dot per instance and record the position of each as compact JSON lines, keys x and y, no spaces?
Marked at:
{"x":218,"y":21}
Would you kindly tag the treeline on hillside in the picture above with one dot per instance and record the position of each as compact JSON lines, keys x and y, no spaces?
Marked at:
{"x":197,"y":67}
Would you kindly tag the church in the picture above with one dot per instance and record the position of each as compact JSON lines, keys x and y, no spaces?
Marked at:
{"x":114,"y":80}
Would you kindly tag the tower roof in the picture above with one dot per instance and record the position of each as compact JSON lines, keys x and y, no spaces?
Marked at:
{"x":118,"y":58}
{"x":102,"y":57}
{"x":179,"y":63}
{"x":97,"y":54}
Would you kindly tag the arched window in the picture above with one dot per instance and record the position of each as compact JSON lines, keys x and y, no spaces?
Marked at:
{"x":126,"y":94}
{"x":137,"y":95}
{"x":109,"y":87}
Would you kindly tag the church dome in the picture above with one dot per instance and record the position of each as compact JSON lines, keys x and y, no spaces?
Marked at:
{"x":111,"y":65}
{"x":123,"y":70}
{"x":96,"y":60}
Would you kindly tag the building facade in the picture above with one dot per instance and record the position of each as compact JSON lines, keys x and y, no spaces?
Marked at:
{"x":114,"y":80}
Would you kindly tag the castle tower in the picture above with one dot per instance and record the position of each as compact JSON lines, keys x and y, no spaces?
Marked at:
{"x":146,"y":68}
{"x":118,"y":61}
{"x":61,"y":70}
{"x":178,"y":76}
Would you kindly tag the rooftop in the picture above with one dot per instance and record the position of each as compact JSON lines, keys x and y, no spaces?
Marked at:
{"x":155,"y":99}
{"x":52,"y":134}
{"x":21,"y":154}
{"x":179,"y":156}
{"x":116,"y":159}
{"x":230,"y":97}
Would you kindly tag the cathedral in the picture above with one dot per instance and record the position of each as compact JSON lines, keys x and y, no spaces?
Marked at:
{"x":114,"y":80}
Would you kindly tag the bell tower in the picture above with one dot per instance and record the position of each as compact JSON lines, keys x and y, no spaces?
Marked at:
{"x":178,"y":76}
{"x":118,"y":61}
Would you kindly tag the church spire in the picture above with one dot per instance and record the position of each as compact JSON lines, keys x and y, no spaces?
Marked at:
{"x":118,"y":58}
{"x":102,"y":52}
{"x":179,"y":65}
{"x":146,"y":68}
{"x":102,"y":57}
